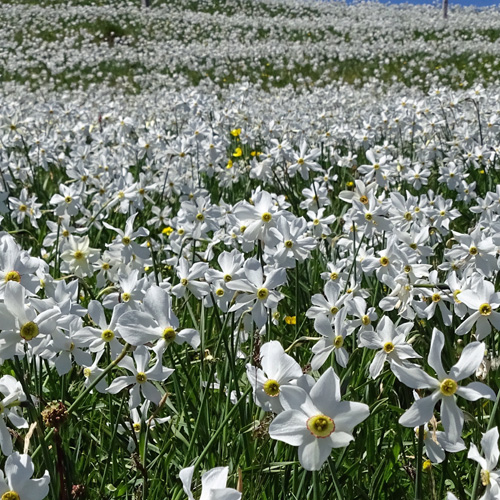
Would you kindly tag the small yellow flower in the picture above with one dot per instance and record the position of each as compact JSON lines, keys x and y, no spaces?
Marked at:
{"x":291,"y":320}
{"x":229,"y":164}
{"x":350,"y":184}
{"x":168,"y":230}
{"x":238,"y":152}
{"x":236,"y":132}
{"x":427,"y":465}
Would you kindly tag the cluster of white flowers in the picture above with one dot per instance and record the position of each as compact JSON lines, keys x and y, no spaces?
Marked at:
{"x":127,"y":219}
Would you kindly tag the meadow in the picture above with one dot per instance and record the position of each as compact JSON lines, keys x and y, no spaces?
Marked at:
{"x":249,"y":250}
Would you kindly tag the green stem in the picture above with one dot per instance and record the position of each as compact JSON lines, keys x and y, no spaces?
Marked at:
{"x":82,"y":396}
{"x":418,"y":479}
{"x":221,"y":427}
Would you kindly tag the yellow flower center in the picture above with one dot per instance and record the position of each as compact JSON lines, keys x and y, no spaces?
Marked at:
{"x":125,"y":297}
{"x":141,"y":377}
{"x":485,"y":477}
{"x":168,"y":334}
{"x":107,"y":335}
{"x":320,"y":426}
{"x":363,"y":199}
{"x":68,"y":199}
{"x":271,"y":388}
{"x":448,"y":387}
{"x":29,"y":331}
{"x":184,"y":282}
{"x":126,"y":240}
{"x":388,"y":347}
{"x":384,"y":261}
{"x":227,"y":278}
{"x":376,"y":166}
{"x":365,"y":320}
{"x":436,"y":297}
{"x":408,"y":216}
{"x":13,"y":276}
{"x":473,"y":251}
{"x":10,"y":495}
{"x":368,"y":216}
{"x":334,"y":310}
{"x":65,"y":233}
{"x":137,"y":427}
{"x":485,"y":309}
{"x":338,"y":341}
{"x":413,"y":246}
{"x":262,"y":293}
{"x":219,"y":292}
{"x":200,"y":217}
{"x":266,"y":217}
{"x":300,"y":161}
{"x":289,"y":243}
{"x":87,"y":372}
{"x":455,"y":296}
{"x":23,"y":208}
{"x":315,"y":222}
{"x":78,"y":255}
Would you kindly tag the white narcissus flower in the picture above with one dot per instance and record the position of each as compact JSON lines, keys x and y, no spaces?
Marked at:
{"x":318,"y":421}
{"x":189,"y":277}
{"x":482,"y":299}
{"x":490,"y":477}
{"x":330,"y":303}
{"x":78,"y":257}
{"x":259,"y":293}
{"x":258,"y":221}
{"x":13,"y":396}
{"x":17,"y":484}
{"x":445,"y":387}
{"x":96,"y":339}
{"x":21,"y":326}
{"x":213,"y":484}
{"x":436,"y":443}
{"x":157,"y":323}
{"x":140,"y":380}
{"x":278,"y":370}
{"x":391,"y":343}
{"x":333,"y":340}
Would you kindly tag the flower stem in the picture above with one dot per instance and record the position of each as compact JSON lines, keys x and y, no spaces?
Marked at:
{"x":82,"y":396}
{"x":418,"y":479}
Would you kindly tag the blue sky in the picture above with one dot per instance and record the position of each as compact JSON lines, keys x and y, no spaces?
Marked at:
{"x":477,"y":3}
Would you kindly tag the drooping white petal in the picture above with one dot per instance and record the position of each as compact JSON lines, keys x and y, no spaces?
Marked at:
{"x":475,"y":391}
{"x":489,"y":444}
{"x":420,"y":412}
{"x":469,"y":361}
{"x":414,"y":377}
{"x":326,"y":392}
{"x":452,"y":418}
{"x":434,"y":359}
{"x":290,"y":427}
{"x":314,"y":453}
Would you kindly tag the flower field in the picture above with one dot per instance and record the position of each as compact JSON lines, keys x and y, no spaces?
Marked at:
{"x":249,"y":250}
